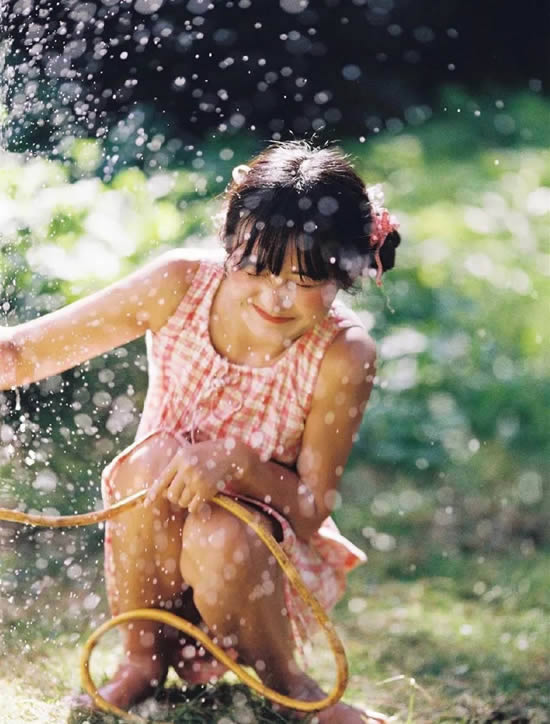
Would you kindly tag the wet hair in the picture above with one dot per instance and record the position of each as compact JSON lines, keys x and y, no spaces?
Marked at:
{"x":296,"y":195}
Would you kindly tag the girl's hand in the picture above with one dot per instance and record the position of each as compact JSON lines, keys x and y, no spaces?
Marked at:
{"x":197,"y":473}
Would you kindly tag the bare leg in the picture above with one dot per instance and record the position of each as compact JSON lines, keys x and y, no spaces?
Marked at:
{"x":142,"y":572}
{"x":242,"y":600}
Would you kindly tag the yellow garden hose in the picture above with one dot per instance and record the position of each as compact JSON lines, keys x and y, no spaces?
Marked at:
{"x":153,"y":614}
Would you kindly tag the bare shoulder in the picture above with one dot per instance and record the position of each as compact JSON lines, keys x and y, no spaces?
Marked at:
{"x":171,"y":277}
{"x":349,"y":360}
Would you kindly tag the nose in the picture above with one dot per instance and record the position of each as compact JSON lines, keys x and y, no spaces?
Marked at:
{"x":284,"y":293}
{"x":276,"y":281}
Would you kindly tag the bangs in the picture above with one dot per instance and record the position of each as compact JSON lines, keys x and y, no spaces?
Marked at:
{"x":263,"y":241}
{"x":267,"y":249}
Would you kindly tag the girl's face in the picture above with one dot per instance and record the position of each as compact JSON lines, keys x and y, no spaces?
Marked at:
{"x":283,"y":307}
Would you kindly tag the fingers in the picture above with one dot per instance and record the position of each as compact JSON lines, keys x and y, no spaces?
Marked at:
{"x":187,"y":494}
{"x":194,"y":495}
{"x":187,"y":481}
{"x":176,"y":488}
{"x":192,"y":499}
{"x":161,"y":483}
{"x":195,"y":503}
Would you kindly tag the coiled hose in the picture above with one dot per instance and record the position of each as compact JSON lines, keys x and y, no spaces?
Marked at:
{"x":153,"y":614}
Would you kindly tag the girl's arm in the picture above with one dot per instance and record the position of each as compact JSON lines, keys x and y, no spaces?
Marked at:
{"x":341,"y":394}
{"x":95,"y":324}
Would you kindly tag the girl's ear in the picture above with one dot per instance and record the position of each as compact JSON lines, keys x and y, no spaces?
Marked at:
{"x":240,"y":172}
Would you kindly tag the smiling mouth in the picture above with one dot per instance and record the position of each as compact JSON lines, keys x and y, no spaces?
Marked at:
{"x":269,"y":318}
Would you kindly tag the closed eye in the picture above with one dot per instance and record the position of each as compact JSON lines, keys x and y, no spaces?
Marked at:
{"x":264,"y":276}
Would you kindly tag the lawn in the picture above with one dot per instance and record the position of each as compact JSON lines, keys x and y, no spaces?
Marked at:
{"x":470,"y":644}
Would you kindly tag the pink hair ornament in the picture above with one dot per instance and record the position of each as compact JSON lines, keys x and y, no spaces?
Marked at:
{"x":382,"y":224}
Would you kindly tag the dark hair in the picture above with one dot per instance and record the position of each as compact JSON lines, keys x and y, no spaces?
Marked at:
{"x":311,"y":198}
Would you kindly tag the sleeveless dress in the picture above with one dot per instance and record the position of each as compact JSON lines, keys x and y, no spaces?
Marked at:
{"x":193,"y":389}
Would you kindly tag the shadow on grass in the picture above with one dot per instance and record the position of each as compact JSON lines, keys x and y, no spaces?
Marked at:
{"x":202,"y":703}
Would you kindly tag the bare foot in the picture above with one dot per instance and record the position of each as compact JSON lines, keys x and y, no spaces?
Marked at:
{"x":307,"y":690}
{"x":197,"y":669}
{"x":345,"y":714}
{"x":133,"y":682}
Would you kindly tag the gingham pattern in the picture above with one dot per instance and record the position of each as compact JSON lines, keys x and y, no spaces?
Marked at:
{"x":194,"y":391}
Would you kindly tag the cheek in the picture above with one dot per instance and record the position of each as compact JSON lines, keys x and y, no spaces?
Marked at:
{"x":321,"y":299}
{"x":245,"y":287}
{"x":315,"y":302}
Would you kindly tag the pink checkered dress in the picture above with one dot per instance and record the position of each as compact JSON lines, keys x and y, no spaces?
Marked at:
{"x":194,"y":390}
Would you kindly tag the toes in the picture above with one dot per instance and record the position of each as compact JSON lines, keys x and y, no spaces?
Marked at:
{"x":79,"y":701}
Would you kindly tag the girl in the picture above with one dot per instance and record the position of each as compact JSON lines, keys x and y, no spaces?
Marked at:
{"x":258,"y":380}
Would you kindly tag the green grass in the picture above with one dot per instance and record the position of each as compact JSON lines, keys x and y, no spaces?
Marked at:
{"x":430,"y":649}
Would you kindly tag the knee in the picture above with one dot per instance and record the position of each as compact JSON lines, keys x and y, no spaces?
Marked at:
{"x":216,"y":549}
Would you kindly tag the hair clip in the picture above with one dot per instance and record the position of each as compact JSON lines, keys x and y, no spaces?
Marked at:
{"x":239,"y":173}
{"x":382,"y":224}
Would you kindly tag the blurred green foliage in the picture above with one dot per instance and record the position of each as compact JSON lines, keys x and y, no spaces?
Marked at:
{"x":454,"y":446}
